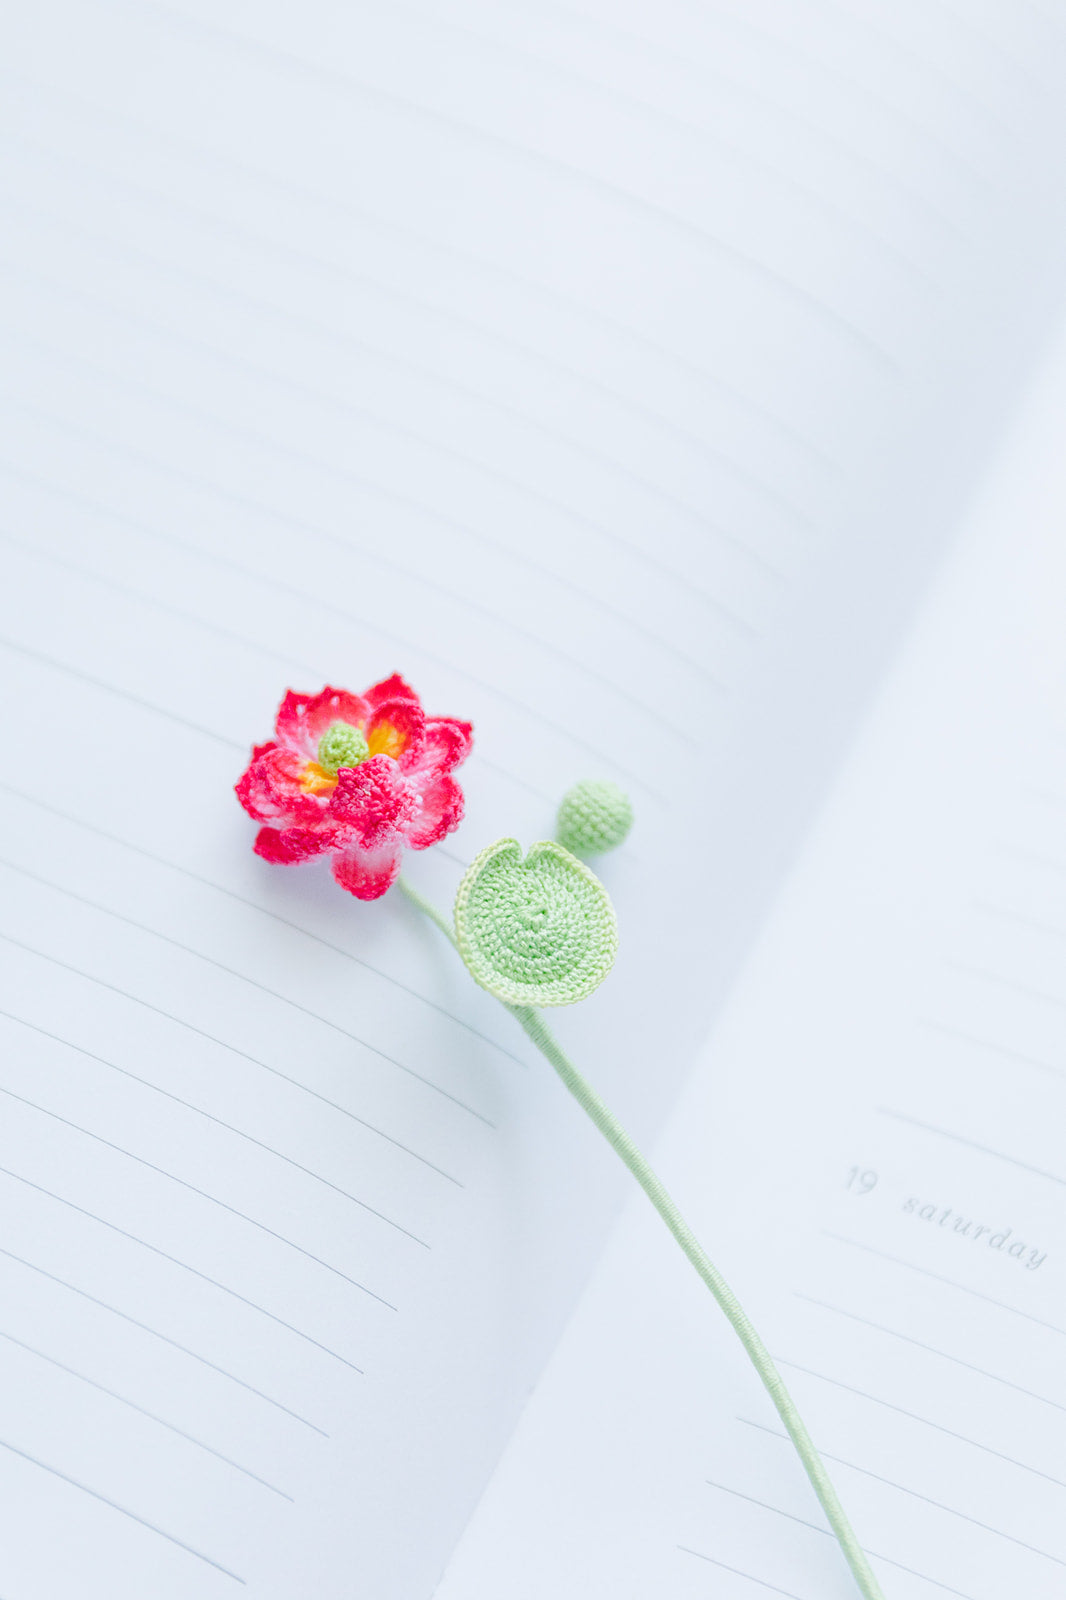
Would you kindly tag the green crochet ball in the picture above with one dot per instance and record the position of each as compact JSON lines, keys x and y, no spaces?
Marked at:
{"x":594,"y":817}
{"x":538,"y":932}
{"x":342,"y":745}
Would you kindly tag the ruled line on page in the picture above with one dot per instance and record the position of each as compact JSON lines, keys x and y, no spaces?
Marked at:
{"x":196,"y":1272}
{"x":406,"y":298}
{"x":496,"y":271}
{"x":218,"y":1122}
{"x":400,"y":294}
{"x":184,"y":1184}
{"x":703,"y":134}
{"x":202,"y":1033}
{"x":1028,"y":990}
{"x":208,"y":557}
{"x":904,"y":115}
{"x":642,"y":556}
{"x":151,"y":602}
{"x":142,"y":1411}
{"x":999,"y":47}
{"x":317,"y":600}
{"x":1029,"y":856}
{"x":122,"y":694}
{"x":368,"y":624}
{"x":1021,"y":919}
{"x":266,"y":911}
{"x":971,"y":1144}
{"x":725,"y":1488}
{"x":210,"y":626}
{"x":930,"y":67}
{"x":814,"y":64}
{"x":914,"y":1493}
{"x":913,"y":1416}
{"x":348,"y":87}
{"x":378,"y":557}
{"x":654,"y":45}
{"x":737,"y":1572}
{"x":894,"y":1333}
{"x":828,"y":1534}
{"x":518,"y":779}
{"x":939,"y":1277}
{"x":392,"y":291}
{"x":992,"y":1045}
{"x":123,"y":1510}
{"x":164,"y":1338}
{"x":36,"y":552}
{"x":187,"y":949}
{"x":233,"y":972}
{"x":691,"y":512}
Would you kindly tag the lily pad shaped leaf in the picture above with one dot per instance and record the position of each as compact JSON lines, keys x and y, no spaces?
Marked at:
{"x":538,"y":932}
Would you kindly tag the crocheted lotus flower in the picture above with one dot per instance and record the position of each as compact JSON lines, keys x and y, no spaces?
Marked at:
{"x":538,"y":932}
{"x":358,"y":777}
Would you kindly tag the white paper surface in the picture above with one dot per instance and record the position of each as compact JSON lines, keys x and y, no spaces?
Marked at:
{"x":872,"y":1152}
{"x":611,"y":373}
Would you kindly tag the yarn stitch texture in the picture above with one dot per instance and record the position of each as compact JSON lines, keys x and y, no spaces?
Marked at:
{"x":357,"y":777}
{"x":538,"y":932}
{"x":594,"y":817}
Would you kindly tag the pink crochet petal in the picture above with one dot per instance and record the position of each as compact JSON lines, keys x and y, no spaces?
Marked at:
{"x":303,"y":718}
{"x":289,"y":722}
{"x":397,"y":728}
{"x":288,"y":845}
{"x":441,"y":812}
{"x":400,"y":795}
{"x":334,"y":705}
{"x":371,"y":804}
{"x":447,"y":744}
{"x":394,"y":688}
{"x":272,"y":788}
{"x":252,"y":788}
{"x":368,"y":873}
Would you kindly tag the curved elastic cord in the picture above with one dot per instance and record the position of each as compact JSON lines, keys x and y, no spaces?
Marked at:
{"x":619,"y":1140}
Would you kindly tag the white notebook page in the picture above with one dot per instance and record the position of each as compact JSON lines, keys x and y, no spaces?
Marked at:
{"x":872,"y":1151}
{"x":624,"y":419}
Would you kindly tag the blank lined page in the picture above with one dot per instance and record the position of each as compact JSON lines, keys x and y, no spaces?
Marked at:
{"x":872,"y":1152}
{"x":614,"y":373}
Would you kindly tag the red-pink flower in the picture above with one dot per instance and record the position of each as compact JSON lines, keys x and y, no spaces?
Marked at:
{"x":358,"y":777}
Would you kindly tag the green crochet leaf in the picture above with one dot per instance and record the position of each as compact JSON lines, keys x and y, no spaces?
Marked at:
{"x":538,"y":932}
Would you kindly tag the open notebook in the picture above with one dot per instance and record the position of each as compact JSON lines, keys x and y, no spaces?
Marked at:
{"x":620,"y":373}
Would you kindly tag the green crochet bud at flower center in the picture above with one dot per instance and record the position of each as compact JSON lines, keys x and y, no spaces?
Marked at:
{"x":341,"y":746}
{"x":538,"y":932}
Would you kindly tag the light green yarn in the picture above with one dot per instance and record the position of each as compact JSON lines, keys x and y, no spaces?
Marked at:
{"x":341,"y":746}
{"x":593,"y":817}
{"x":538,"y":932}
{"x":505,"y":914}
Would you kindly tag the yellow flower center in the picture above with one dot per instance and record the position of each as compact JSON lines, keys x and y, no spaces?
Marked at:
{"x":343,"y":745}
{"x":314,"y":779}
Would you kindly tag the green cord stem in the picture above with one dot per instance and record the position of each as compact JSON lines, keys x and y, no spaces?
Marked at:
{"x":430,"y":909}
{"x":621,"y":1142}
{"x":607,"y":1123}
